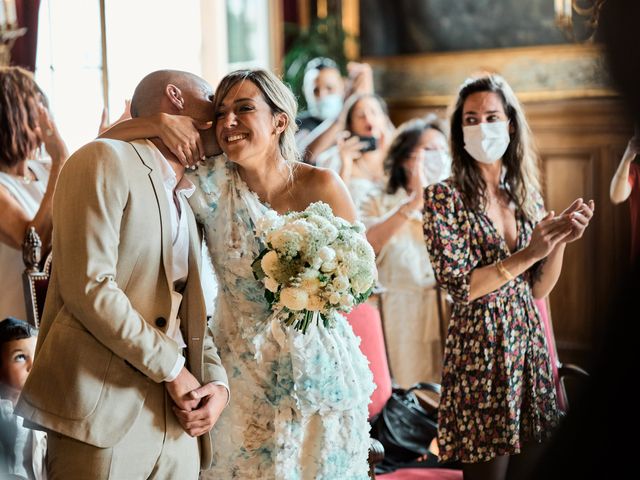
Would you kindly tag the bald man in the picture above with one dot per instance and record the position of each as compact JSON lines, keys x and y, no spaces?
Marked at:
{"x":123,"y":342}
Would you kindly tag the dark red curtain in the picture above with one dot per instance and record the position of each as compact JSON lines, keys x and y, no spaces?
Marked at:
{"x":291,"y":17}
{"x":23,"y":53}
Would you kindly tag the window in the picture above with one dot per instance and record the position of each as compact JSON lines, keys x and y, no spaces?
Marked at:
{"x":69,"y":66}
{"x":81,"y":67}
{"x":248,"y":34}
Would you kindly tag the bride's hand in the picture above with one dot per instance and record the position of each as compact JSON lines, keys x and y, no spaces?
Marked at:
{"x":181,"y":135}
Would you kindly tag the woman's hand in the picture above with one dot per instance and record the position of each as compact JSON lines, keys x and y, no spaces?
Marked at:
{"x":580,"y":214}
{"x":360,"y":79}
{"x":416,"y":185}
{"x":181,"y":135}
{"x":547,"y":234}
{"x":349,"y":148}
{"x":633,"y":148}
{"x":48,"y":132}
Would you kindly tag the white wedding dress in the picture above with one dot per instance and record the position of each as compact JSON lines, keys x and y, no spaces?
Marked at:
{"x":298,"y":402}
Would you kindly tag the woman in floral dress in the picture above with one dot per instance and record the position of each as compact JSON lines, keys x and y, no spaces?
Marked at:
{"x":494,"y":248}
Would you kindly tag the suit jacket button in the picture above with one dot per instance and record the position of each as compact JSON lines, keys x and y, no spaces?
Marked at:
{"x":161,"y":322}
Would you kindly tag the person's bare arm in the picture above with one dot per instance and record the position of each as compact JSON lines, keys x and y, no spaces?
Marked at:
{"x":104,"y":118}
{"x":579,"y":214}
{"x":620,"y":189}
{"x":547,"y":243}
{"x":382,"y":231}
{"x":15,"y":221}
{"x":320,"y":139}
{"x":548,"y":233}
{"x":178,"y":132}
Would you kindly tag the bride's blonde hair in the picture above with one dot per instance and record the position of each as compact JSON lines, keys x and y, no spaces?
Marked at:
{"x":277,"y":95}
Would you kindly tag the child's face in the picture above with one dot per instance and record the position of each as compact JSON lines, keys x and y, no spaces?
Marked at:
{"x":17,"y":358}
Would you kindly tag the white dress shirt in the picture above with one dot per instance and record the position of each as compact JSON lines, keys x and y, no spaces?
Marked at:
{"x":177,"y":193}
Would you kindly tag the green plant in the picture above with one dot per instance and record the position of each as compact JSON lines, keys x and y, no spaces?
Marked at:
{"x":324,"y":38}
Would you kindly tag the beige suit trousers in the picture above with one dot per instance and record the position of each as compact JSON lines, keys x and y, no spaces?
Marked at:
{"x":156,"y":447}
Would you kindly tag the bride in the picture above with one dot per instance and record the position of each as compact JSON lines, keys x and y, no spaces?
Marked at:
{"x":298,"y":405}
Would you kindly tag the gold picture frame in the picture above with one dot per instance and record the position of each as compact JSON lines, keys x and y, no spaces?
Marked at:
{"x":537,"y":73}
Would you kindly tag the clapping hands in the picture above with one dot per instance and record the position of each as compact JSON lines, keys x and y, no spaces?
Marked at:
{"x":579,"y":214}
{"x":554,"y":230}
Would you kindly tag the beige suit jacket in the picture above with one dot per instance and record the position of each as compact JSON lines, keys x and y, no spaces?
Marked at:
{"x":102,"y":339}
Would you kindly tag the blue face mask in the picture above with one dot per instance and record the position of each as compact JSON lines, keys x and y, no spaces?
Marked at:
{"x":328,"y":106}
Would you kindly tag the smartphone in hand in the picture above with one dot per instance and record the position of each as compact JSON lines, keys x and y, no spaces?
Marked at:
{"x":371,"y":143}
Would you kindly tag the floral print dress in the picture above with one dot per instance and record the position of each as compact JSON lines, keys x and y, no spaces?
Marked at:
{"x":298,"y":405}
{"x":497,"y":387}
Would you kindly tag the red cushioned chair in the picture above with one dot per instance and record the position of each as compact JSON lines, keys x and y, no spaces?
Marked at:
{"x":366,"y":323}
{"x":560,"y":371}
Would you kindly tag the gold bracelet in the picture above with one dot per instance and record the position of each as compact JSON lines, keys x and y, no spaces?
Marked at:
{"x":504,"y":273}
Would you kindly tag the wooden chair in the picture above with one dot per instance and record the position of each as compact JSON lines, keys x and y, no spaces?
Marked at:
{"x":35,"y":278}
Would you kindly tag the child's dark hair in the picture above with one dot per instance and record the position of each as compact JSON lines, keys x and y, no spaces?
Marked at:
{"x":13,"y":329}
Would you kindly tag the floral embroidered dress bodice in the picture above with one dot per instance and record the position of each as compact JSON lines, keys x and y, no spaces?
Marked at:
{"x":298,"y":405}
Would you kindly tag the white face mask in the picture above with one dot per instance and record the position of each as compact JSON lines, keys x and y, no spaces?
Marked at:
{"x":486,"y":142}
{"x":328,"y":106}
{"x":437,"y":165}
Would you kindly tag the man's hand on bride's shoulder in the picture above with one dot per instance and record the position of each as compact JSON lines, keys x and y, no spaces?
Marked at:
{"x":213,"y":399}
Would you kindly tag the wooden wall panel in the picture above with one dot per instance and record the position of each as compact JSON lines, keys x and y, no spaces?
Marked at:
{"x":567,"y":176}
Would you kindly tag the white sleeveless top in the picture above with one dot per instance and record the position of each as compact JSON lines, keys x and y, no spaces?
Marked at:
{"x":28,"y":195}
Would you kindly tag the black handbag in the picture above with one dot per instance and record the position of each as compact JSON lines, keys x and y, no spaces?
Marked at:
{"x":404,"y":427}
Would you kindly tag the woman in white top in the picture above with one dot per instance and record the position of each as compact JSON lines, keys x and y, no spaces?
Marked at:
{"x":418,"y":156}
{"x":359,"y":154}
{"x":26,"y":185}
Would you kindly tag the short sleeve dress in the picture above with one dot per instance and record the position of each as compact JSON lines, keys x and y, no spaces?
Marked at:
{"x":497,"y":387}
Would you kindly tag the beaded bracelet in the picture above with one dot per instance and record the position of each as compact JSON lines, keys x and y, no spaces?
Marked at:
{"x":504,"y":273}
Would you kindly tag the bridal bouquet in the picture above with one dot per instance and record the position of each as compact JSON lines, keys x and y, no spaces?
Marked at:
{"x":314,"y":264}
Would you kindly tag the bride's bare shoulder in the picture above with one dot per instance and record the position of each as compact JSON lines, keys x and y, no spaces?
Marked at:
{"x":313,"y":184}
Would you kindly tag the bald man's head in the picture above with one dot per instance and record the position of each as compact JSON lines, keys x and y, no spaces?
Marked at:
{"x":150,"y":96}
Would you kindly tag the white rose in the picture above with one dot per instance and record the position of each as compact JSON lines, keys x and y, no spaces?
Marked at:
{"x":294,"y":298}
{"x":346,"y":300}
{"x":334,"y":298}
{"x":329,"y":266}
{"x":310,"y":285}
{"x":326,"y":254}
{"x":270,"y":263}
{"x":340,"y":283}
{"x":361,"y":283}
{"x":309,"y":273}
{"x":315,"y":303}
{"x":270,"y":284}
{"x":316,"y":263}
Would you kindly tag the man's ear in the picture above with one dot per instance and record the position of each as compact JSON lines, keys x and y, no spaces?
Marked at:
{"x":280,"y":122}
{"x":174,"y":94}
